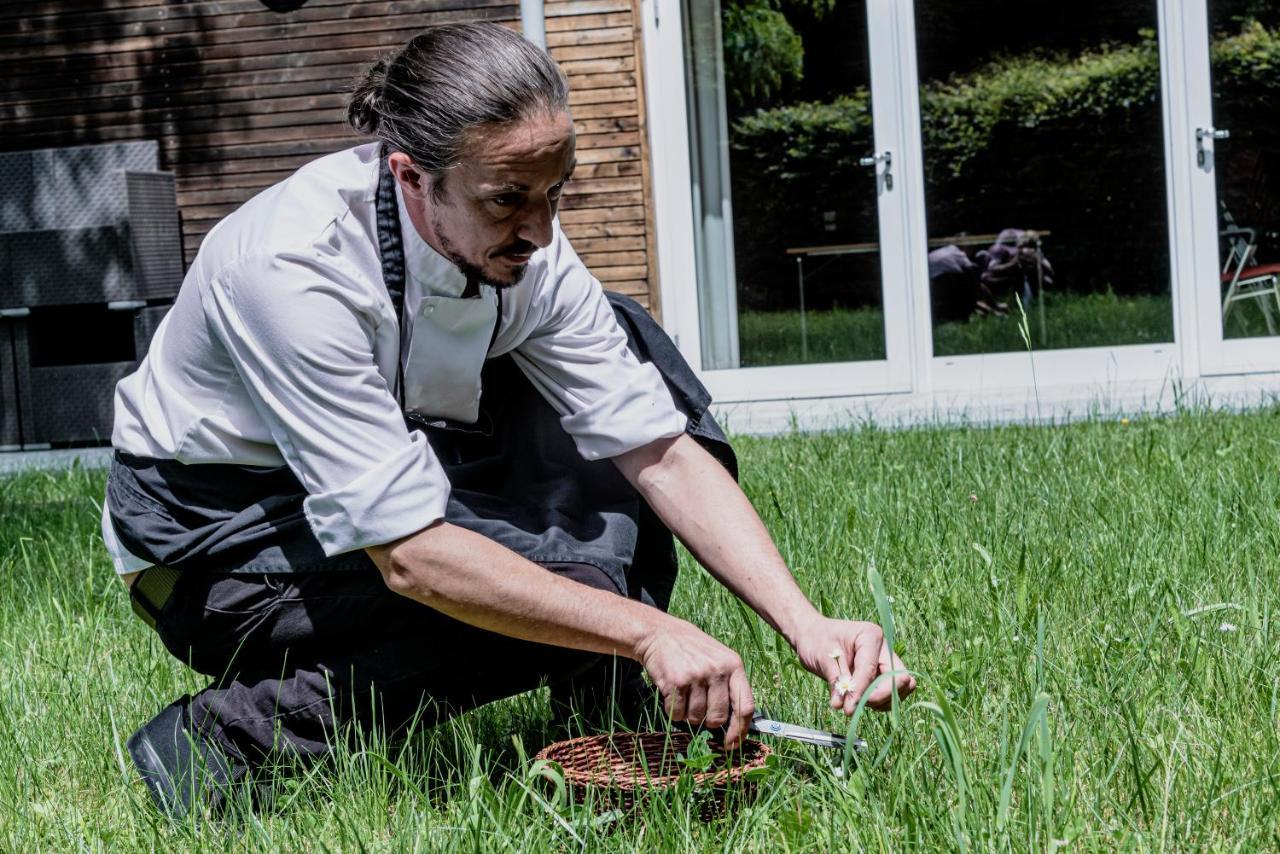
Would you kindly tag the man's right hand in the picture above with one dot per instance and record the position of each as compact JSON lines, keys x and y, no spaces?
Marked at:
{"x":702,"y":681}
{"x":473,"y":579}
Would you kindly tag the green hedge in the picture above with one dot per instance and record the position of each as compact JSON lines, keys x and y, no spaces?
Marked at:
{"x":1069,"y":144}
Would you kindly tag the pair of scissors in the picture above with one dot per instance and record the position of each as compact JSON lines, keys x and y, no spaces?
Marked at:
{"x":805,"y":735}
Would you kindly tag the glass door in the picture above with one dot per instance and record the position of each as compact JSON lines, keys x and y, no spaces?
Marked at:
{"x":794,"y":135}
{"x":1045,"y":181}
{"x":1237,"y":183}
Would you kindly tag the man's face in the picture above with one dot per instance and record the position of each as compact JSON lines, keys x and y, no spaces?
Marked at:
{"x":494,"y":209}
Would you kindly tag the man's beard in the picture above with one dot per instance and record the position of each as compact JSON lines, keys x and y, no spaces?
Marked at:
{"x":475,"y":273}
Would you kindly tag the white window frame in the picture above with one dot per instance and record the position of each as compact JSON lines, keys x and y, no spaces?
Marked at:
{"x":1147,"y":365}
{"x":1217,"y":355}
{"x":673,"y":202}
{"x":999,"y":386}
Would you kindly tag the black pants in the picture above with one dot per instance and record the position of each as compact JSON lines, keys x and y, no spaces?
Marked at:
{"x":297,"y":656}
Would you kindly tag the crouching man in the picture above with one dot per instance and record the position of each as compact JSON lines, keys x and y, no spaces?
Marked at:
{"x":394,"y":453}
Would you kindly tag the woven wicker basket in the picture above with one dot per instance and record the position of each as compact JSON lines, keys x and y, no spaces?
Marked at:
{"x":619,"y":769}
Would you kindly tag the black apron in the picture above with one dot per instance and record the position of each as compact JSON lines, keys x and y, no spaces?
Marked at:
{"x":516,"y":476}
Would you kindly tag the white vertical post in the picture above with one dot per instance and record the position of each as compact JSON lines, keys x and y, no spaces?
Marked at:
{"x":712,"y":200}
{"x":885,"y":50}
{"x":1201,"y":291}
{"x":667,"y":110}
{"x":533,"y":22}
{"x":804,"y":330}
{"x":910,"y":166}
{"x":1182,"y":96}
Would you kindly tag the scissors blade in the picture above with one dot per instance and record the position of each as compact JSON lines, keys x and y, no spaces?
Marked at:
{"x":805,"y":735}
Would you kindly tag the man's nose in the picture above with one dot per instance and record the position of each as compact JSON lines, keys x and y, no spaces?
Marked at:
{"x":536,"y":226}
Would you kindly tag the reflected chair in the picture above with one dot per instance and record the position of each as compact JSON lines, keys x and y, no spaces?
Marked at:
{"x":1245,"y":279}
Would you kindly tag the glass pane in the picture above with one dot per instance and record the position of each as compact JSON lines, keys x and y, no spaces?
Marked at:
{"x":787,"y":236}
{"x":1244,"y":49}
{"x":1044,"y":174}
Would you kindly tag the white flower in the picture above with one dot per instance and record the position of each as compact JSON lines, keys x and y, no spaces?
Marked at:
{"x":843,"y":685}
{"x":1227,"y":627}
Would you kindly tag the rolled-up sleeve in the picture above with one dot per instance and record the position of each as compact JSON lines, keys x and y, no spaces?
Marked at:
{"x":301,"y":333}
{"x":578,"y":359}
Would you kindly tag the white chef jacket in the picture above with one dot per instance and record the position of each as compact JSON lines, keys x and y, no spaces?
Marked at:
{"x":282,"y":348}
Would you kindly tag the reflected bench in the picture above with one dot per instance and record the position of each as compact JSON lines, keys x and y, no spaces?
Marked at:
{"x":837,"y":249}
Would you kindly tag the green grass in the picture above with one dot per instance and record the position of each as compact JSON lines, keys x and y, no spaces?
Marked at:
{"x":1248,"y":321}
{"x":850,"y":335}
{"x":1069,"y":320}
{"x":843,"y":335}
{"x":1091,"y":609}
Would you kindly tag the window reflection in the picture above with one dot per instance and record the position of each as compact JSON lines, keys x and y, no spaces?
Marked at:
{"x":1044,"y":174}
{"x":786,"y":223}
{"x":1244,"y":50}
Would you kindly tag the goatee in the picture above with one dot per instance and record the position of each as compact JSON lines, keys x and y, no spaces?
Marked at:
{"x":475,"y":275}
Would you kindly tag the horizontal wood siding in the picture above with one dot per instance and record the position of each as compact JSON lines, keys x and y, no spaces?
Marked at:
{"x":607,"y":211}
{"x":240,"y":96}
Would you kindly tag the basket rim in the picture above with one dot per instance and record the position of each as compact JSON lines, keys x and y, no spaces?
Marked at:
{"x":642,"y":779}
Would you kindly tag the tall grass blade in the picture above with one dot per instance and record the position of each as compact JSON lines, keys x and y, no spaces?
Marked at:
{"x":882,"y":606}
{"x":1039,"y":707}
{"x":947,"y":733}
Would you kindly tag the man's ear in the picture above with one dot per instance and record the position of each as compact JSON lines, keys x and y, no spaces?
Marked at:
{"x":413,"y":181}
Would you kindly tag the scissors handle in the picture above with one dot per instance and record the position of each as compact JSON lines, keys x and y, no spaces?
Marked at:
{"x":767,"y":726}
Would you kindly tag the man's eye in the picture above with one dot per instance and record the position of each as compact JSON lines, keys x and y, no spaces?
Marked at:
{"x":507,"y":200}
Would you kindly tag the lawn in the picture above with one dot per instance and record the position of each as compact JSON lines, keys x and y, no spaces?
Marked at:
{"x":1069,"y":320}
{"x":1091,"y":609}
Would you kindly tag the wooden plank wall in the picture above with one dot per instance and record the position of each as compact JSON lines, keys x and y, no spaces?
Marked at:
{"x":240,"y":96}
{"x":607,"y":210}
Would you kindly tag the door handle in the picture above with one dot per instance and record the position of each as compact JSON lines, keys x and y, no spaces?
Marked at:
{"x":1205,"y":134}
{"x":887,"y":159}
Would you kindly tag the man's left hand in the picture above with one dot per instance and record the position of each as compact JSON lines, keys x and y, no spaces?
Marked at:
{"x":703,"y":506}
{"x":853,"y":653}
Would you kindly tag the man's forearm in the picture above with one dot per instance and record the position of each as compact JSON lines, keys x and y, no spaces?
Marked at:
{"x":704,"y":507}
{"x":475,"y":580}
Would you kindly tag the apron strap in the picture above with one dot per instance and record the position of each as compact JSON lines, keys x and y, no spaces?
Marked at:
{"x":390,"y":239}
{"x":391,"y":250}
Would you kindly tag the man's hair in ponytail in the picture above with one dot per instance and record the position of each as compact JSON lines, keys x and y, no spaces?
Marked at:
{"x":449,"y":79}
